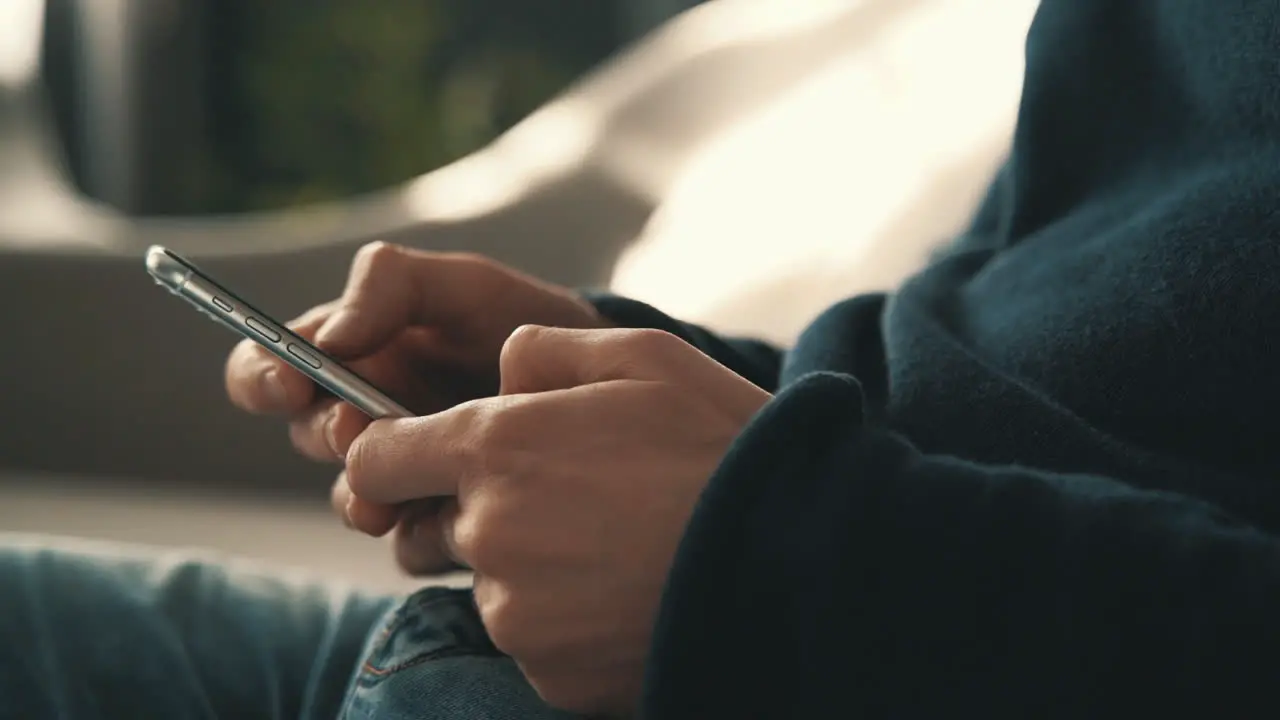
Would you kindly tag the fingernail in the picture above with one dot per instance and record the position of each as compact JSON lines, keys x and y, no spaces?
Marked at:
{"x":331,"y":433}
{"x":334,"y":328}
{"x":346,"y":512}
{"x":273,"y":388}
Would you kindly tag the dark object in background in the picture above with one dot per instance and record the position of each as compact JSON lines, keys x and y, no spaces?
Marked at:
{"x":219,"y":106}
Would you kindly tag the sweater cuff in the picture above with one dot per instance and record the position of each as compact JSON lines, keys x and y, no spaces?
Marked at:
{"x":628,"y":313}
{"x":768,"y":507}
{"x":757,"y":361}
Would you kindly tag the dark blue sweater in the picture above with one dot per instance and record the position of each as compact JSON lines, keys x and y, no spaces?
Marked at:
{"x":1042,"y":478}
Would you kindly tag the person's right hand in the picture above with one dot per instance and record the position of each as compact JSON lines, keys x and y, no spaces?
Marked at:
{"x":427,"y":329}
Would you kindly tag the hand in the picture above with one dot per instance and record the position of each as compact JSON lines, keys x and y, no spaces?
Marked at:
{"x":427,"y":329}
{"x":573,"y":489}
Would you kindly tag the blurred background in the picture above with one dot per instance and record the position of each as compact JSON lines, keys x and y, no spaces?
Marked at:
{"x":740,"y":163}
{"x":234,"y":105}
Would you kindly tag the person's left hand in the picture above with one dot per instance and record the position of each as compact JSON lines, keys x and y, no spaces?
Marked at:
{"x":573,"y":490}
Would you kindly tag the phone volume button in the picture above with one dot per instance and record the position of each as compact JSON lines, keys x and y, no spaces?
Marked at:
{"x":304,"y":356}
{"x":261,"y":328}
{"x":222,"y":305}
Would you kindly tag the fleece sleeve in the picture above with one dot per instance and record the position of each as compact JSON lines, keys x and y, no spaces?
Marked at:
{"x":832,"y":570}
{"x":755,"y":360}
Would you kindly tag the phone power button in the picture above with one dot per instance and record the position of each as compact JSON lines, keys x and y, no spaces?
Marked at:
{"x":262,"y":329}
{"x":304,"y":356}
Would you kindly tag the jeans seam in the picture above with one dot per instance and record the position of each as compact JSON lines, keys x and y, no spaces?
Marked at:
{"x":417,"y":602}
{"x":440,"y":654}
{"x":401,"y":616}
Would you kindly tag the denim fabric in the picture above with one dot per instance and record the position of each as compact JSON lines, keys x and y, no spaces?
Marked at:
{"x":431,"y":660}
{"x":92,"y":632}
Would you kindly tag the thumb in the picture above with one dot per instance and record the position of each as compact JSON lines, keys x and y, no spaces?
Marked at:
{"x":542,"y":359}
{"x":392,"y":288}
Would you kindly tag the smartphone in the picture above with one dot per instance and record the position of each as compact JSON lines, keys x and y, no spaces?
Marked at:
{"x":182,"y":278}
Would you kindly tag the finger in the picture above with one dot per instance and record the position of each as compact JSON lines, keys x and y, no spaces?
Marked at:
{"x":420,"y":540}
{"x":456,"y":452}
{"x":539,"y":359}
{"x":369,"y":518}
{"x":400,"y":460}
{"x":307,"y":432}
{"x":325,"y":431}
{"x":261,"y":383}
{"x":390,"y":288}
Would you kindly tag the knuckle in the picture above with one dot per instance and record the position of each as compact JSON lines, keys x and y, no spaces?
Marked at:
{"x":648,"y":342}
{"x":638,"y":352}
{"x":474,"y":428}
{"x":494,"y":439}
{"x":472,"y":543}
{"x":520,"y":343}
{"x":374,"y":263}
{"x":500,"y":615}
{"x":490,"y":444}
{"x":377,"y":254}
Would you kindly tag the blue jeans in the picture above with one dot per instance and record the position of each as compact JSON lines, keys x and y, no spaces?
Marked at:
{"x":90,"y":632}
